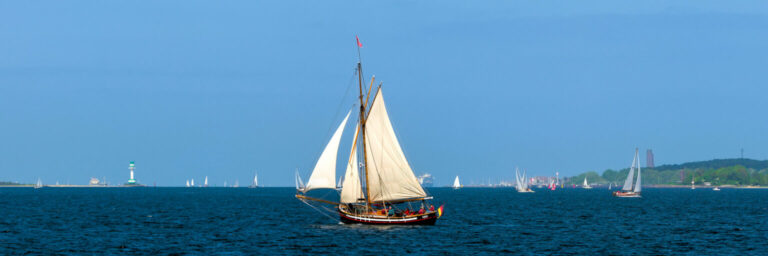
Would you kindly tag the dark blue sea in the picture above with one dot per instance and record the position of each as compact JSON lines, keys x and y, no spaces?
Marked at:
{"x":242,"y":221}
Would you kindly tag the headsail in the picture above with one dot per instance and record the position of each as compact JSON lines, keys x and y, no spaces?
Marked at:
{"x":351,"y":189}
{"x":390,"y":177}
{"x":324,"y":174}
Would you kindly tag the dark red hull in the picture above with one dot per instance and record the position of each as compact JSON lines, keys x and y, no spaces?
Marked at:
{"x":426,"y":219}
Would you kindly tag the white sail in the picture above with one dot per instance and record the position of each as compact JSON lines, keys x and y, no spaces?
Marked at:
{"x":39,"y":183}
{"x":255,"y":180}
{"x":585,"y":181}
{"x":638,"y":187}
{"x":187,"y":183}
{"x":351,"y":188}
{"x":390,"y":177}
{"x":518,"y":182}
{"x":456,"y":183}
{"x":299,"y":182}
{"x":205,"y":183}
{"x":193,"y":182}
{"x":630,"y":176}
{"x":324,"y":174}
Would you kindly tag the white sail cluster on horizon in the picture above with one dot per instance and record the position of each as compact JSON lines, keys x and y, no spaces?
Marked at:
{"x":390,"y":177}
{"x":521,"y":181}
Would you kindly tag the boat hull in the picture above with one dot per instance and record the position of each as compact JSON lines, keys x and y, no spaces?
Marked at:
{"x":626,"y":194}
{"x":426,"y":219}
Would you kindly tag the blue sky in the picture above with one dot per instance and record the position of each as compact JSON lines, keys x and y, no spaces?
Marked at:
{"x":224,"y":88}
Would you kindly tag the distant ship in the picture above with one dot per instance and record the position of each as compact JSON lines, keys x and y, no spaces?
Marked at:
{"x":426,"y":180}
{"x":630,"y":189}
{"x":586,"y":185}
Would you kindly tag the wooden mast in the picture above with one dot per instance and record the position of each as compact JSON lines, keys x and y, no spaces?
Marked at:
{"x":362,"y":129}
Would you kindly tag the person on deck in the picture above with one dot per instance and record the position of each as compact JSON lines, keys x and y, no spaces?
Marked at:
{"x":391,"y":211}
{"x":421,"y":211}
{"x":431,"y":208}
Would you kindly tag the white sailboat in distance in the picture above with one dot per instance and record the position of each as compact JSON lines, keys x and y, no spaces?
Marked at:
{"x":631,"y":189}
{"x":586,"y":185}
{"x":456,"y":183}
{"x":39,"y":184}
{"x":255,"y":181}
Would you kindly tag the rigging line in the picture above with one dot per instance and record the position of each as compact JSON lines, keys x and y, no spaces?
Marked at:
{"x":318,"y":210}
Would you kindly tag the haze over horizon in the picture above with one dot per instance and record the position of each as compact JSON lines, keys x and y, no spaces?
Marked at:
{"x":188,"y":89}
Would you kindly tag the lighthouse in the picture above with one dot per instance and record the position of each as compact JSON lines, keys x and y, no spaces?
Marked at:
{"x":131,"y":167}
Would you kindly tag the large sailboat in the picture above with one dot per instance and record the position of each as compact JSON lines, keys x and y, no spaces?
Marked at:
{"x":631,"y":189}
{"x":388,"y":192}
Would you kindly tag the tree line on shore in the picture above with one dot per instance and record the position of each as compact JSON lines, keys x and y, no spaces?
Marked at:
{"x":740,"y":172}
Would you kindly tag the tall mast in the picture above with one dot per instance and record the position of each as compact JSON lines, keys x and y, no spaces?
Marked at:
{"x":362,"y":129}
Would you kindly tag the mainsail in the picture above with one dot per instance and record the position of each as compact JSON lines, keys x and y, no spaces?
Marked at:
{"x":638,"y":188}
{"x":351,"y":189}
{"x":390,"y":177}
{"x":456,"y":183}
{"x":324,"y":174}
{"x":631,"y":175}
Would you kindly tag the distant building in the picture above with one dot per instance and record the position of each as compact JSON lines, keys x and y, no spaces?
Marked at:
{"x":649,"y":159}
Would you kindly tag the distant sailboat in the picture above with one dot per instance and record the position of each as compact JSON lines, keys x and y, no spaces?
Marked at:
{"x":456,"y":183}
{"x":610,"y":185}
{"x":630,"y":189}
{"x":187,"y":183}
{"x":205,"y":183}
{"x":255,"y":183}
{"x":586,"y":185}
{"x":39,"y":183}
{"x":237,"y":184}
{"x":192,"y":184}
{"x":692,"y":179}
{"x":716,"y":189}
{"x":521,"y":184}
{"x":390,"y":187}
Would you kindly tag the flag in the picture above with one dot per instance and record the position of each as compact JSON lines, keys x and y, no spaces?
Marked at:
{"x":440,"y":211}
{"x":358,"y":42}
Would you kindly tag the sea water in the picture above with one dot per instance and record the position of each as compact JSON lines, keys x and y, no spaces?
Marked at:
{"x":243,"y":221}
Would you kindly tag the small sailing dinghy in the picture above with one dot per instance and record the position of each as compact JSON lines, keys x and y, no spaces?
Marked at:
{"x":586,"y":185}
{"x":631,"y":189}
{"x":388,"y":192}
{"x":522,"y":185}
{"x":39,"y":184}
{"x":456,"y":183}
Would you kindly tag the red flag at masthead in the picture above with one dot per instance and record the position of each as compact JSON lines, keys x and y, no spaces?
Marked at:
{"x":358,"y":42}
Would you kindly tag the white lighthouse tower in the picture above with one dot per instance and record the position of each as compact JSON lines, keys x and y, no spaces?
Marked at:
{"x":131,"y":181}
